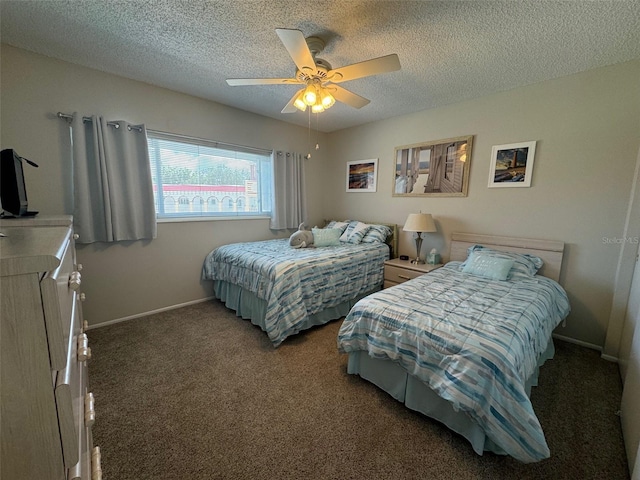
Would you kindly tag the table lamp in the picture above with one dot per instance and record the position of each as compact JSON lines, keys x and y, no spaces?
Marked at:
{"x":420,"y":223}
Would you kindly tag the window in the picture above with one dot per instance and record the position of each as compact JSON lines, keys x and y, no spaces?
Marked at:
{"x":234,"y":180}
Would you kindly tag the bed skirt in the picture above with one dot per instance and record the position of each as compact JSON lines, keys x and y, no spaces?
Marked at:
{"x":249,"y":307}
{"x":393,"y":379}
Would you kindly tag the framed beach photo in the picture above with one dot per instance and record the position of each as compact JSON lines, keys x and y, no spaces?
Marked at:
{"x":512,"y":164}
{"x":362,"y":175}
{"x":437,"y":168}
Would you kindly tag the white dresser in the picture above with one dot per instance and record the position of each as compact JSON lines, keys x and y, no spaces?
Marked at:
{"x":46,"y":410}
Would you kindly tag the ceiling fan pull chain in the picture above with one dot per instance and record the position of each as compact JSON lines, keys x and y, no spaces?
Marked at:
{"x":309,"y":137}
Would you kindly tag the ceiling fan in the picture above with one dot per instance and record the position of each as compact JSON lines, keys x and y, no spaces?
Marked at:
{"x":320,"y":80}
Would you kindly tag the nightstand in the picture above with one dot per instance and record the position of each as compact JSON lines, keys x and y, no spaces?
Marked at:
{"x":397,"y":271}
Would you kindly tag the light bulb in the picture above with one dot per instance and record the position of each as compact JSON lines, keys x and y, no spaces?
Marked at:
{"x":299,"y":102}
{"x":317,"y":108}
{"x":309,"y":96}
{"x":327,"y":99}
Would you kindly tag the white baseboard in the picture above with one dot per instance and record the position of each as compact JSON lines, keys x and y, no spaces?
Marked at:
{"x":144,"y":314}
{"x":609,"y":358}
{"x":577,"y":342}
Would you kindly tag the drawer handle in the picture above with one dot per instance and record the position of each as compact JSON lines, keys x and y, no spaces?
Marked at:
{"x":404,"y":277}
{"x":76,"y":236}
{"x":85,"y":325}
{"x":84,"y":352}
{"x":83,"y":297}
{"x":89,"y":410}
{"x":96,"y":469}
{"x":79,"y":267}
{"x":74,"y":280}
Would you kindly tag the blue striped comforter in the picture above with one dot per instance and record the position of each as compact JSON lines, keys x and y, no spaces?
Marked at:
{"x":474,"y":341}
{"x":297,"y":282}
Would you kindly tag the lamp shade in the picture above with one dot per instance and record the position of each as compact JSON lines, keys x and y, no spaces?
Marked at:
{"x":419,"y":222}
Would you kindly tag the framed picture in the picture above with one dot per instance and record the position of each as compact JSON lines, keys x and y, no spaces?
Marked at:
{"x":512,"y":164}
{"x":362,"y":175}
{"x":433,"y":169}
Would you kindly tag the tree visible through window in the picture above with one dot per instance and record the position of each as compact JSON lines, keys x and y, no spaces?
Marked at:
{"x":234,"y":180}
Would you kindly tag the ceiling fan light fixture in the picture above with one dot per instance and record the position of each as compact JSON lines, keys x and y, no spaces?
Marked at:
{"x":312,"y":73}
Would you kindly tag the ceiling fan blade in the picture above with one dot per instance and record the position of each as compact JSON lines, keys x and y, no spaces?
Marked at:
{"x":297,"y":47}
{"x":238,"y":82}
{"x":290,"y":107}
{"x":388,"y":63}
{"x":345,"y":96}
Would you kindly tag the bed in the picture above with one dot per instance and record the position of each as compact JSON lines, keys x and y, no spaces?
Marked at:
{"x":464,"y":343}
{"x":285,"y":290}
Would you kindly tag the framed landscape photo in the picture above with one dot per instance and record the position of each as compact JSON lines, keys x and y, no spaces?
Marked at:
{"x":512,"y":164}
{"x":362,"y":175}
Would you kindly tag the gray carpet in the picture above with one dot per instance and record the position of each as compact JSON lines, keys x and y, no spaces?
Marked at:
{"x":197,"y":393}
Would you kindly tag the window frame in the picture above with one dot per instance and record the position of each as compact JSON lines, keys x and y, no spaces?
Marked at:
{"x":264,"y":182}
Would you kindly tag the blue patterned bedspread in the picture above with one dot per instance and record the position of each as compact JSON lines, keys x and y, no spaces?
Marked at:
{"x":474,"y":341}
{"x":297,"y":282}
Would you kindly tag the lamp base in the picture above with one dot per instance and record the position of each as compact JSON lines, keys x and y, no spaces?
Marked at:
{"x":417,"y":260}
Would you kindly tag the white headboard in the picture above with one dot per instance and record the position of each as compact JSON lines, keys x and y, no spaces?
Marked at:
{"x":550,"y":251}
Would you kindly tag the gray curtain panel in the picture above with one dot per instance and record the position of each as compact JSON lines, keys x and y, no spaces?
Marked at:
{"x":290,"y":202}
{"x":113,"y":193}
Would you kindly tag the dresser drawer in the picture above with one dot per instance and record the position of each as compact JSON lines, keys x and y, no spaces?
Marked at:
{"x":58,"y":297}
{"x":82,"y":470}
{"x":69,"y":402}
{"x":399,"y":275}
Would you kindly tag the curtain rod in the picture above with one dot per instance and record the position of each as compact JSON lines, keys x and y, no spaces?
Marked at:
{"x":68,"y":116}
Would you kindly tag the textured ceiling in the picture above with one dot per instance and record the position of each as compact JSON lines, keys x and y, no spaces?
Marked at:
{"x":449,"y":50}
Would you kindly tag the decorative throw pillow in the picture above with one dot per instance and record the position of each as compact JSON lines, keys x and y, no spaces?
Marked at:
{"x":326,"y":237}
{"x":341,"y":225}
{"x":351,"y":224}
{"x":488,"y":266}
{"x":357,"y":233}
{"x":523,"y":263}
{"x":376,"y":234}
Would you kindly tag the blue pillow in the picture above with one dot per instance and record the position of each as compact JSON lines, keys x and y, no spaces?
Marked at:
{"x":356,"y":232}
{"x":377,"y":234}
{"x":351,"y":224}
{"x":326,"y":237}
{"x":488,"y":266}
{"x":341,"y":225}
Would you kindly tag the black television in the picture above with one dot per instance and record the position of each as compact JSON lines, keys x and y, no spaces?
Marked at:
{"x":13,"y":192}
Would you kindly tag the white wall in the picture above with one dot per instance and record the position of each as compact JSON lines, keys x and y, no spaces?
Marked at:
{"x":587,"y":132}
{"x":130,"y":278}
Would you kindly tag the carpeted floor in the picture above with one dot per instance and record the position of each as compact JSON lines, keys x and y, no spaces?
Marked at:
{"x":197,"y":393}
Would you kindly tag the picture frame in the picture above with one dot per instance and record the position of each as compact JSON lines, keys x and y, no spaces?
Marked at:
{"x":438,"y":168}
{"x":512,"y":165}
{"x":362,"y":176}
